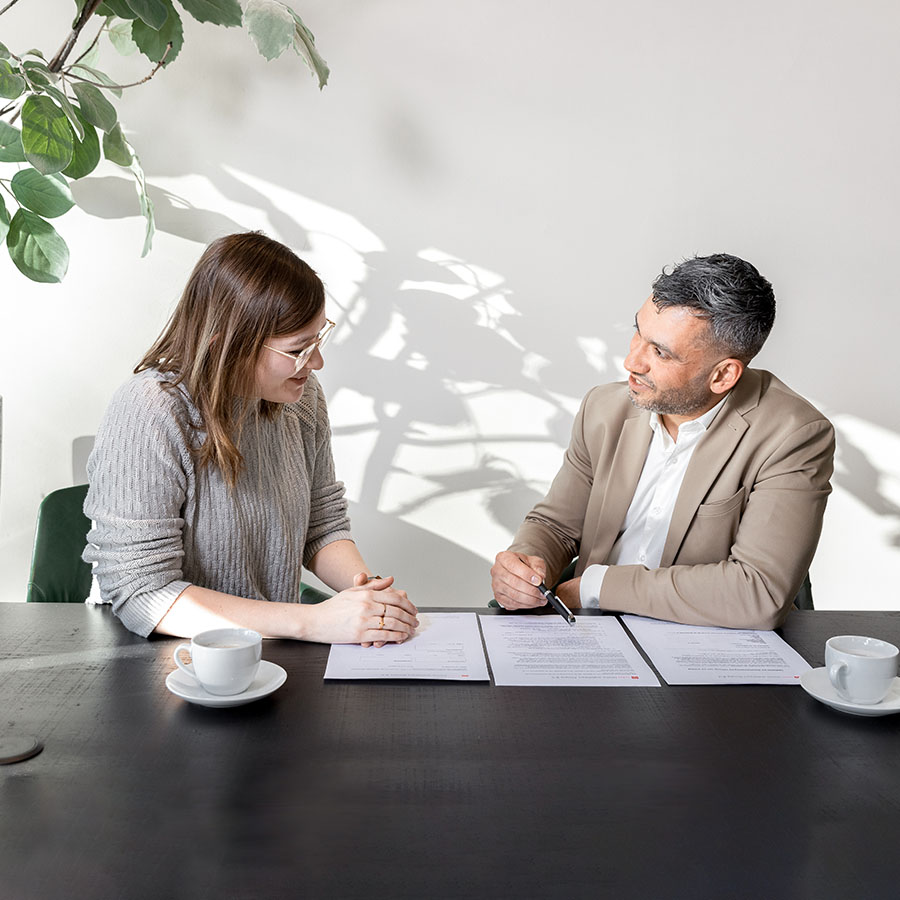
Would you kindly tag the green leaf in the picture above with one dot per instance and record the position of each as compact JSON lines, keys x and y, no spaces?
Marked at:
{"x":271,"y":26}
{"x":118,"y":8}
{"x":36,"y":248}
{"x":4,"y":220}
{"x":98,"y":76}
{"x":62,"y":101}
{"x":151,"y":12}
{"x":146,"y":203}
{"x":94,"y":106}
{"x":90,"y":57}
{"x":11,"y":82}
{"x":37,"y":73}
{"x":153,"y":43}
{"x":11,"y":149}
{"x":305,"y":46}
{"x":116,"y":149}
{"x":46,"y":135}
{"x":86,"y":154}
{"x":4,"y":53}
{"x":120,"y":37}
{"x":219,"y":12}
{"x":47,"y":195}
{"x":37,"y":64}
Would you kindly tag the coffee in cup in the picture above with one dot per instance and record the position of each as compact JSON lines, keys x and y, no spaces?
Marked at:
{"x":224,"y":661}
{"x":861,"y":669}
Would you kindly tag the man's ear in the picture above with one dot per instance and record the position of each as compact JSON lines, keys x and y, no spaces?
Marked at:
{"x":726,"y":375}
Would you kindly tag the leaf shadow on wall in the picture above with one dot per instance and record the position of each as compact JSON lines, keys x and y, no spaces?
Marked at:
{"x":857,"y":474}
{"x":111,"y":197}
{"x":457,"y":340}
{"x":427,"y":342}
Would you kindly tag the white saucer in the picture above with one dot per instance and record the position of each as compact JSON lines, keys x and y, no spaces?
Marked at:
{"x":816,"y":683}
{"x":269,"y":678}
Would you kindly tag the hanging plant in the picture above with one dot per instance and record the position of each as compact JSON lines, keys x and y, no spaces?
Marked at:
{"x":57,"y":118}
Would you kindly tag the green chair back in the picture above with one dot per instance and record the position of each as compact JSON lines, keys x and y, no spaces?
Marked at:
{"x":58,"y":573}
{"x":309,"y":594}
{"x":803,"y":600}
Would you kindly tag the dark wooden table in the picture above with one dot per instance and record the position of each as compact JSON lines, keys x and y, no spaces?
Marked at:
{"x":432,"y":790}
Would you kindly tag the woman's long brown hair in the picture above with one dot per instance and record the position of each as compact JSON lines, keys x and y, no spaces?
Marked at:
{"x":245,"y":289}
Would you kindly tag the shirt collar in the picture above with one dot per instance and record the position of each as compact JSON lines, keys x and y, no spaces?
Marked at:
{"x":693,"y":426}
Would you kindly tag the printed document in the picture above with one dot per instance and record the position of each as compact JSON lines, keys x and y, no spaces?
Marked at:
{"x":698,"y":654}
{"x":446,"y":647}
{"x":545,"y":650}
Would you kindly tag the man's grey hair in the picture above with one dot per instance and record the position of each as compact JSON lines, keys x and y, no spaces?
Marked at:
{"x":729,"y":293}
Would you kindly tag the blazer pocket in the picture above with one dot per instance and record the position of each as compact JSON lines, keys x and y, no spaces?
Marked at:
{"x":722,"y":507}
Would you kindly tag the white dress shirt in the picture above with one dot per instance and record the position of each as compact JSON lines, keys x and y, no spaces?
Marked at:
{"x":643,"y":535}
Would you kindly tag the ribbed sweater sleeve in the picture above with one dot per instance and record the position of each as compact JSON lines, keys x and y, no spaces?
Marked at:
{"x":327,"y":505}
{"x":138,"y":484}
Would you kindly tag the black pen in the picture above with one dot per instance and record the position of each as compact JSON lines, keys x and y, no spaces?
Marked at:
{"x":556,"y":603}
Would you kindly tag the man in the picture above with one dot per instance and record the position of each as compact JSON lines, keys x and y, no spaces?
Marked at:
{"x":695,"y":491}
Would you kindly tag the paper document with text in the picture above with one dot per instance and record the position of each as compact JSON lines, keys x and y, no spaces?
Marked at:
{"x":445,"y":647}
{"x":546,"y":651}
{"x":700,"y":654}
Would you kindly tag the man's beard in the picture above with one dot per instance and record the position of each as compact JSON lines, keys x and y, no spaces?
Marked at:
{"x":682,"y":401}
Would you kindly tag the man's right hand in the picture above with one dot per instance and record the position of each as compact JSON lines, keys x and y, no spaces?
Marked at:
{"x":514,"y":577}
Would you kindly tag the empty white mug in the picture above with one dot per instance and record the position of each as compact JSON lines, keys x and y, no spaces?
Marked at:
{"x":861,"y":669}
{"x":224,"y":661}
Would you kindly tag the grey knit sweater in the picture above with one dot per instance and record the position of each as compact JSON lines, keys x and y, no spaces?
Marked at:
{"x":161,"y":523}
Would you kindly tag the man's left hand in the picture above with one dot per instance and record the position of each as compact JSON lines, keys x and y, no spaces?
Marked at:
{"x":570,"y":593}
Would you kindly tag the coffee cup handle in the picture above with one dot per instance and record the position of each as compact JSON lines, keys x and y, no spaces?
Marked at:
{"x":835,"y":676}
{"x":188,"y":669}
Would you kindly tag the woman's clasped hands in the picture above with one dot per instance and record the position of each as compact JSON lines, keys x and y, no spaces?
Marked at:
{"x":371,"y":613}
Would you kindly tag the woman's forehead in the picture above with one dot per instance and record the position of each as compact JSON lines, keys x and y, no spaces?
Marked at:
{"x":308,"y":332}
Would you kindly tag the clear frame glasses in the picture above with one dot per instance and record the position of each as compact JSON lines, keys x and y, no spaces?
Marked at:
{"x":301,"y":357}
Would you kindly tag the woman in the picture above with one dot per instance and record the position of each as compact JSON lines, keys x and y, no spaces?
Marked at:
{"x":212,"y":480}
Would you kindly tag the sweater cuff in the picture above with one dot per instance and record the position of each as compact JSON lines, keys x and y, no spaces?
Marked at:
{"x":311,"y":549}
{"x":143,"y":612}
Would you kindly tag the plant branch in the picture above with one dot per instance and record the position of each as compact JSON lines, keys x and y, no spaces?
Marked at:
{"x":8,"y":5}
{"x":70,"y":74}
{"x":91,"y":46}
{"x":63,"y":53}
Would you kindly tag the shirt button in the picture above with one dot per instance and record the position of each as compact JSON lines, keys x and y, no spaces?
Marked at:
{"x":642,"y":557}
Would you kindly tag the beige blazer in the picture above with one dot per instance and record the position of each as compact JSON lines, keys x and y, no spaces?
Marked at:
{"x":746,"y":521}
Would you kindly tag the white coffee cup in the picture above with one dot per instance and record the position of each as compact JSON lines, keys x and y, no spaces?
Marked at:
{"x":861,"y":669}
{"x":224,"y":661}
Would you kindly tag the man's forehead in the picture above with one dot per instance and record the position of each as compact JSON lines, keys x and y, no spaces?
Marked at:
{"x":674,"y":324}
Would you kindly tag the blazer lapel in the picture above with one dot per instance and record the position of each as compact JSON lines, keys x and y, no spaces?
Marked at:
{"x":624,"y":474}
{"x":714,"y":449}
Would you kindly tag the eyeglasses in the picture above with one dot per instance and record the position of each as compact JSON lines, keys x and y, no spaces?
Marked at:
{"x":301,"y":357}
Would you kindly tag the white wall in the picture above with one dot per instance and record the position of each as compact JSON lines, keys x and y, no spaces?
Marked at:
{"x":489,"y":189}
